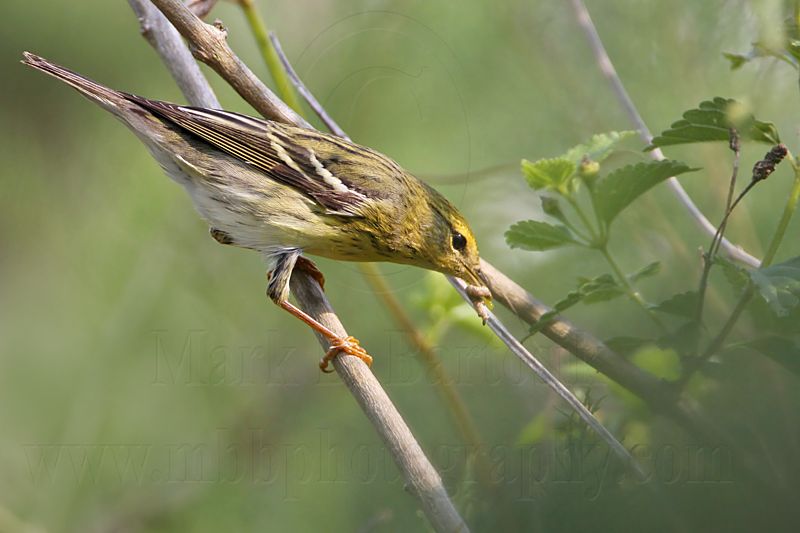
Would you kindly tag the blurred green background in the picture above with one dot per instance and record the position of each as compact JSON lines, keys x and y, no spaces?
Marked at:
{"x":147,"y":383}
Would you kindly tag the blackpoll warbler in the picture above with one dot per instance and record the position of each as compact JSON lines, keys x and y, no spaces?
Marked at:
{"x":284,"y":191}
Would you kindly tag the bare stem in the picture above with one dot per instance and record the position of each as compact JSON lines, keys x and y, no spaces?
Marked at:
{"x":630,"y":290}
{"x":708,"y":257}
{"x":551,"y":381}
{"x":607,"y":68}
{"x":307,"y":95}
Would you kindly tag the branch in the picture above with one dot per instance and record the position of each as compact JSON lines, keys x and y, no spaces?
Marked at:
{"x":607,"y":68}
{"x":421,"y":477}
{"x":551,"y":381}
{"x":209,"y":44}
{"x":168,"y":43}
{"x":656,"y":393}
{"x":419,"y":474}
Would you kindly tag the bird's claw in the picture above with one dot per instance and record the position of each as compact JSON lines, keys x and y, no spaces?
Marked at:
{"x":348,"y":345}
{"x":479,"y":296}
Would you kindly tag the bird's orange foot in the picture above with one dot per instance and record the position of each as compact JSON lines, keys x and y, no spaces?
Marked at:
{"x":348,"y":345}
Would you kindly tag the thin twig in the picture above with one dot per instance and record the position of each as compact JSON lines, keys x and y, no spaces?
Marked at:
{"x":166,"y":40}
{"x":551,"y":381}
{"x":657,"y":394}
{"x":608,"y":70}
{"x":496,"y":326}
{"x":307,"y":95}
{"x":420,"y":475}
{"x":713,"y":248}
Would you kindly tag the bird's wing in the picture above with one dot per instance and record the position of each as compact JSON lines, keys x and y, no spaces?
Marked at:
{"x":266,"y":147}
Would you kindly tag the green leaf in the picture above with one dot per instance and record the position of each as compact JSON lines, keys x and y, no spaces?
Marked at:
{"x":538,"y":236}
{"x":645,"y":272}
{"x":738,"y":277}
{"x":598,"y":148}
{"x":599,"y":289}
{"x":683,"y":304}
{"x":548,"y":173}
{"x":552,"y":207}
{"x":779,"y":285}
{"x":712,"y":120}
{"x":617,"y":190}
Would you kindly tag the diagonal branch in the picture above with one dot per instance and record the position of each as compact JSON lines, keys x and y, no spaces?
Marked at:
{"x":209,"y":44}
{"x":607,"y":68}
{"x":421,"y":477}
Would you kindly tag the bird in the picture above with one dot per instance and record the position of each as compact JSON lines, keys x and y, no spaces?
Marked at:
{"x":287,"y":192}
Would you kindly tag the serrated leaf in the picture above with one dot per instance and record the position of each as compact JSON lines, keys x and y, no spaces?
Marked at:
{"x":598,"y":148}
{"x":779,"y":285}
{"x":737,"y":276}
{"x":712,"y":121}
{"x":645,"y":272}
{"x":683,"y":304}
{"x":599,"y":289}
{"x":537,"y":236}
{"x":617,"y":190}
{"x":548,"y":173}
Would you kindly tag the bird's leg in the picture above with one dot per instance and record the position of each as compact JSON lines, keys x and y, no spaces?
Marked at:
{"x":278,"y":291}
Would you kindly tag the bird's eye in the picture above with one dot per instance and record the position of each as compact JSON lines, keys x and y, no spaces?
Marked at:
{"x":459,"y":241}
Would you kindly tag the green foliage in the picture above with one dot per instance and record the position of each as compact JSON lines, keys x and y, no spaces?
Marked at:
{"x":599,"y":289}
{"x":738,"y":276}
{"x":779,"y":285}
{"x":549,"y":173}
{"x":788,"y":51}
{"x":683,"y":304}
{"x":712,"y":121}
{"x":598,"y":148}
{"x":620,"y":188}
{"x":645,"y":272}
{"x":537,"y":236}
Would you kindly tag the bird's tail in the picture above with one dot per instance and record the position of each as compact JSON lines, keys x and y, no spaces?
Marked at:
{"x":109,"y":99}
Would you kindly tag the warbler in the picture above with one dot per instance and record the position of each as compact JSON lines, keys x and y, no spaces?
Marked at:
{"x":286,"y":191}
